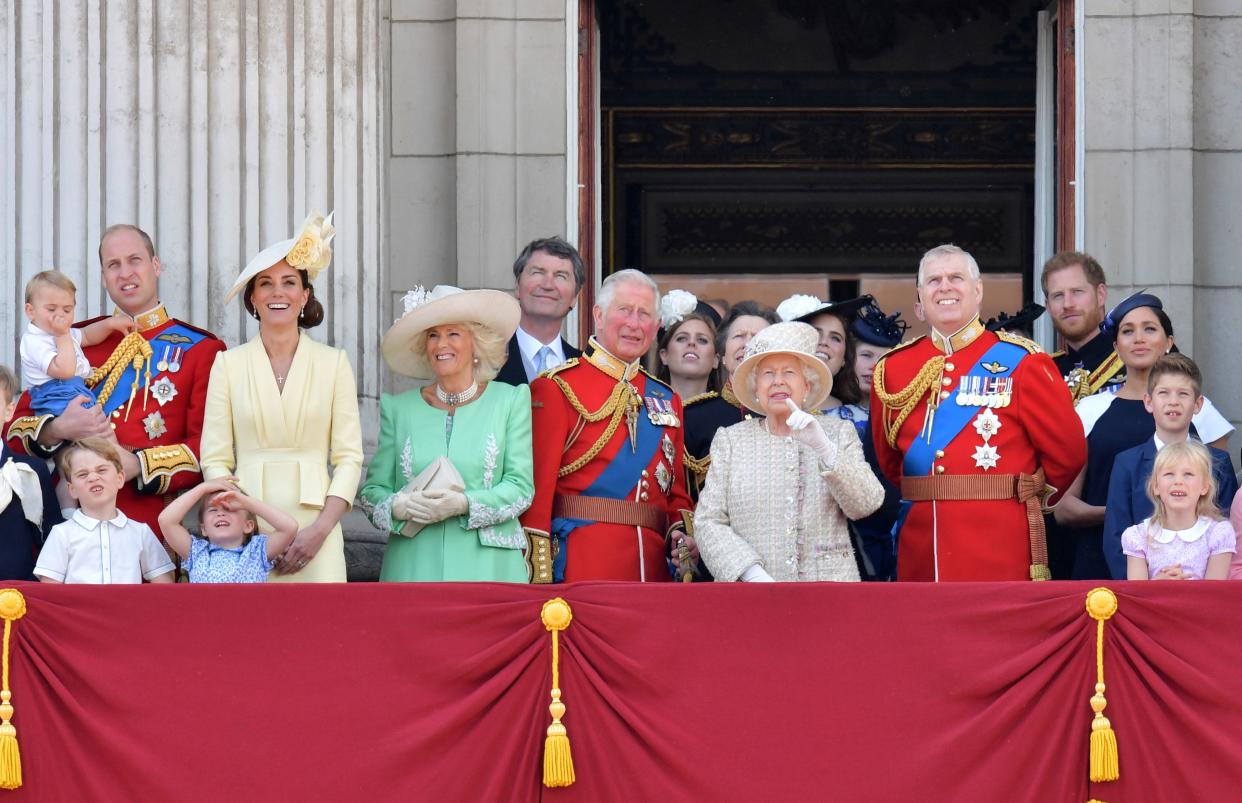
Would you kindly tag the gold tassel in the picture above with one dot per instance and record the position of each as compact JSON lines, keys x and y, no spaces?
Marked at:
{"x":558,"y":762}
{"x":12,"y":608}
{"x":1101,"y":605}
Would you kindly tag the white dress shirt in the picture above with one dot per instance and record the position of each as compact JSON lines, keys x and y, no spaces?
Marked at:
{"x":529,"y":345}
{"x":87,"y":550}
{"x":38,"y":349}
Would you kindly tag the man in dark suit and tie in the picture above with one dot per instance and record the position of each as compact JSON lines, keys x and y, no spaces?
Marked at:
{"x":548,"y":275}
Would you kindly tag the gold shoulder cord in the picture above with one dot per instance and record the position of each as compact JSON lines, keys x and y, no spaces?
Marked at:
{"x":133,"y":351}
{"x":622,"y":399}
{"x":905,"y":400}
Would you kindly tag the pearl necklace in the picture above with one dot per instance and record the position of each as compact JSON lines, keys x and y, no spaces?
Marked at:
{"x":456,"y":399}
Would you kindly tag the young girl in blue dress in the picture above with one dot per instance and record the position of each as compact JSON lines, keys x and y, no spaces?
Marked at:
{"x":230,"y":550}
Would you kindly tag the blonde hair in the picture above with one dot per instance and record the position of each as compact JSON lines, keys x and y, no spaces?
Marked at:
{"x":10,"y":387}
{"x":98,"y":446}
{"x":1197,"y":454}
{"x":202,"y":511}
{"x":491,"y":349}
{"x":49,"y":278}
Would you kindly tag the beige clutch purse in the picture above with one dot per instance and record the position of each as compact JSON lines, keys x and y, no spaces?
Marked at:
{"x":439,"y":475}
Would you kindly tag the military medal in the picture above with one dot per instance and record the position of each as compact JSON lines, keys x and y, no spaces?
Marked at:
{"x":664,"y":477}
{"x":666,"y":446}
{"x":654,"y":412}
{"x":986,"y":456}
{"x":164,"y":390}
{"x":154,"y":425}
{"x":987,"y":424}
{"x":162,"y":365}
{"x":174,"y":365}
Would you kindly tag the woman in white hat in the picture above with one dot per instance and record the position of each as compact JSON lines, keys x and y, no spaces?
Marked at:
{"x":780,"y":489}
{"x":283,"y":406}
{"x":453,"y":469}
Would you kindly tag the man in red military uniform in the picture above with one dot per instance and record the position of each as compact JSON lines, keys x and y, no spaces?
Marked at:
{"x":971,"y":425}
{"x":152,"y":394}
{"x":609,"y":487}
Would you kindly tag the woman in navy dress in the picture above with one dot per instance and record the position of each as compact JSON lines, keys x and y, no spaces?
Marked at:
{"x":1141,"y":332}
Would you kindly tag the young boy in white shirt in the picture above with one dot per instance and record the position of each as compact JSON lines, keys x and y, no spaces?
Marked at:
{"x":99,"y":544}
{"x":53,"y":366}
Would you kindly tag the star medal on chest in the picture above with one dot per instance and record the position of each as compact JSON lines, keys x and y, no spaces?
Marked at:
{"x":164,"y":390}
{"x":154,"y":425}
{"x":987,"y":424}
{"x":664,"y":477}
{"x":986,"y":456}
{"x":666,"y":446}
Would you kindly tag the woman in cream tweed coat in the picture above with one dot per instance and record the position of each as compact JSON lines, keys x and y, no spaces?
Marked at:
{"x":780,"y":489}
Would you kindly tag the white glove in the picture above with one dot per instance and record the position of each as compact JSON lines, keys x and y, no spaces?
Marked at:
{"x":425,"y":507}
{"x":756,"y":574}
{"x":806,"y":430}
{"x":401,"y":506}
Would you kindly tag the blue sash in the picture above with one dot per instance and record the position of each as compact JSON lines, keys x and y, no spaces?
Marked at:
{"x":617,"y":479}
{"x":175,"y":336}
{"x":951,"y":418}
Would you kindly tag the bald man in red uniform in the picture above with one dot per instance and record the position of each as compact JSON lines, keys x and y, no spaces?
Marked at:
{"x":972,"y":426}
{"x":610,"y":491}
{"x":156,"y":413}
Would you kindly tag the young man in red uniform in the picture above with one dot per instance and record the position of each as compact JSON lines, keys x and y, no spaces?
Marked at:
{"x":971,"y":425}
{"x":155,"y":413}
{"x":609,"y":487}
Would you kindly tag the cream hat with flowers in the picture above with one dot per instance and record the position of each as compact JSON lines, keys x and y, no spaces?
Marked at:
{"x":309,"y":249}
{"x":794,"y":338}
{"x":445,"y":304}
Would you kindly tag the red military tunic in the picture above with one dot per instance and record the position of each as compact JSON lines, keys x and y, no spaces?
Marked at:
{"x":606,"y":467}
{"x":975,"y":539}
{"x":163,"y":424}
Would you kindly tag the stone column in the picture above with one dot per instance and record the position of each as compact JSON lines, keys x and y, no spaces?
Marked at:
{"x":478,"y":158}
{"x":213,"y":126}
{"x":1217,"y":203}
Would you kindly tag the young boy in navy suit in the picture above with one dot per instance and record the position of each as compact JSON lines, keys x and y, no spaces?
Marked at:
{"x":1174,"y":395}
{"x":28,"y":508}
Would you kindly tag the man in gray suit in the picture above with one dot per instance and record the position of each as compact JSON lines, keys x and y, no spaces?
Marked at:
{"x":548,"y":275}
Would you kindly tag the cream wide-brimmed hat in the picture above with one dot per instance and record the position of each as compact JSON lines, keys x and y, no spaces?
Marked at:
{"x":445,"y":304}
{"x":794,"y":338}
{"x":309,"y":249}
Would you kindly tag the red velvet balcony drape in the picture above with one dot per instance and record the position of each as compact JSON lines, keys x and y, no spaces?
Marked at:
{"x":912,"y":692}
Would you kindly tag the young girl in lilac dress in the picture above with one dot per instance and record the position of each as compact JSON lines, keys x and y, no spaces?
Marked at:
{"x":1185,"y":539}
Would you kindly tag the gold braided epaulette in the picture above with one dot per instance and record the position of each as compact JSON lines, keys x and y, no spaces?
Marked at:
{"x":699,"y":397}
{"x":1018,"y":340}
{"x":556,"y":369}
{"x":926,"y":381}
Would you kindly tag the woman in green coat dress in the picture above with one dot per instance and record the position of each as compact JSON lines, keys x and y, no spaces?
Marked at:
{"x":459,"y":339}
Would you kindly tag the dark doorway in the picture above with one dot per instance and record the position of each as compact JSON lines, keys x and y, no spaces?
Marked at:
{"x":756,"y":148}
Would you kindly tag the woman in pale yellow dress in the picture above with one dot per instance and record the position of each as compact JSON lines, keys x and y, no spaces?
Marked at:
{"x":283,"y":406}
